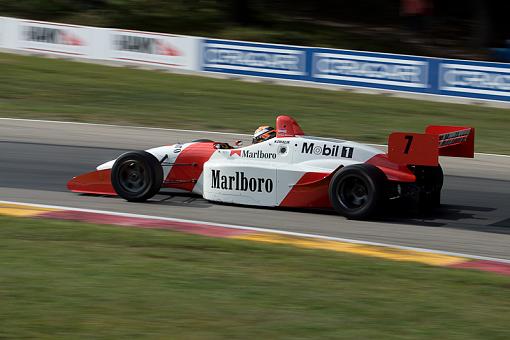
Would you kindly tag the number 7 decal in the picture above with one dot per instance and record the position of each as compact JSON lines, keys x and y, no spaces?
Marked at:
{"x":409,"y":139}
{"x":413,"y":148}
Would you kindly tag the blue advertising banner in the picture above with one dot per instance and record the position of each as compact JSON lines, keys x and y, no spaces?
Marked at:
{"x":254,"y":59}
{"x":473,"y":79}
{"x":373,"y":70}
{"x":394,"y":72}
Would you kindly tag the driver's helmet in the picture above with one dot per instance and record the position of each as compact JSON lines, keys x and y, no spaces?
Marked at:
{"x":263,"y":133}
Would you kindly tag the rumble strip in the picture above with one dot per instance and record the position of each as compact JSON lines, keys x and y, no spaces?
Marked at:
{"x":385,"y":251}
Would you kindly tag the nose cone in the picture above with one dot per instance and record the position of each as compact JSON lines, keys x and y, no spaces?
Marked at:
{"x":95,"y":182}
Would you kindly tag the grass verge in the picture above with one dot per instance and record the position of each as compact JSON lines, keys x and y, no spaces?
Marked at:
{"x":68,"y":280}
{"x":32,"y":87}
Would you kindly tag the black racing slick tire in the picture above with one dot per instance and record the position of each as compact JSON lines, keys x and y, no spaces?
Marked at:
{"x":358,"y":191}
{"x":137,"y":176}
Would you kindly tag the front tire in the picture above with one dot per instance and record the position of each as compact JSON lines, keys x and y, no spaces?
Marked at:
{"x":137,"y":176}
{"x":358,"y":191}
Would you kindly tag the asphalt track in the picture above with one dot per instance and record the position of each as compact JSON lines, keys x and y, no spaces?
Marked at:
{"x":37,"y":159}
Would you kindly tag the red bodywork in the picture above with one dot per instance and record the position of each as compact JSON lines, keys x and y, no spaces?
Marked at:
{"x":95,"y":182}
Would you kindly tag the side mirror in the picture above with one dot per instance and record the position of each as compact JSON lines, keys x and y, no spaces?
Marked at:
{"x":238,"y":143}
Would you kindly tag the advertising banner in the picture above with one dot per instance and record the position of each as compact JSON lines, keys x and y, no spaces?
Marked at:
{"x":53,"y":38}
{"x":472,"y":79}
{"x":374,"y":70}
{"x":159,"y":49}
{"x":394,"y":72}
{"x":254,"y":59}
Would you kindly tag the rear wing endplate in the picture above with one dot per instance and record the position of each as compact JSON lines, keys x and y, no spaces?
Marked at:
{"x":425,"y":148}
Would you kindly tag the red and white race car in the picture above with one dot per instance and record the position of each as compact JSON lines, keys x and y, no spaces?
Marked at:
{"x":291,"y":170}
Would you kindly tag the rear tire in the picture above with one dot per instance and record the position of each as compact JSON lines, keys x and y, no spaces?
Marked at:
{"x":137,"y":176}
{"x":430,"y":180}
{"x":358,"y":191}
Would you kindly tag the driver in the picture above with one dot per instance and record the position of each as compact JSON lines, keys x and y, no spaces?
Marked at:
{"x":263,"y":133}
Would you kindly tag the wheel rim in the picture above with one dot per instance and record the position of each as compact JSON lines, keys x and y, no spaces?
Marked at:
{"x":133,"y":176}
{"x":353,"y":193}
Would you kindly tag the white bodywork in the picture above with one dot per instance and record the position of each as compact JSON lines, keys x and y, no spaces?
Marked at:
{"x":279,"y":161}
{"x":263,"y":174}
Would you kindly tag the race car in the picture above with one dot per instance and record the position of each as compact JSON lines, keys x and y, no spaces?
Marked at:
{"x":290,"y":170}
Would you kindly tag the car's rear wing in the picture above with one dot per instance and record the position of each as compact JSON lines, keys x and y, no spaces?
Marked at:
{"x":425,"y":148}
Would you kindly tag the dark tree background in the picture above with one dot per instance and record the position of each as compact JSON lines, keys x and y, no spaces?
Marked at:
{"x":469,"y":23}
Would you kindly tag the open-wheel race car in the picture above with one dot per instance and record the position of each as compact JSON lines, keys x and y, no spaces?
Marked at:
{"x":290,"y":170}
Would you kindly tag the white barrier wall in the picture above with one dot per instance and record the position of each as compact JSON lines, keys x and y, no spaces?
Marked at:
{"x":2,"y":31}
{"x":159,"y":49}
{"x":8,"y":32}
{"x":163,"y":50}
{"x":54,"y":38}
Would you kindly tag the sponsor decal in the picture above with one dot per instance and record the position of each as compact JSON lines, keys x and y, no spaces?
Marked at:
{"x":50,"y":36}
{"x":470,"y":78}
{"x":147,"y":45}
{"x":453,"y":137}
{"x":239,"y":182}
{"x":259,"y":154}
{"x":327,"y":150}
{"x":251,"y":58}
{"x":279,"y":141}
{"x":177,"y":148}
{"x":376,"y":69}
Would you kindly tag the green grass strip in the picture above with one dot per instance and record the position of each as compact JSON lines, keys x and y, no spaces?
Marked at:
{"x":64,"y":280}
